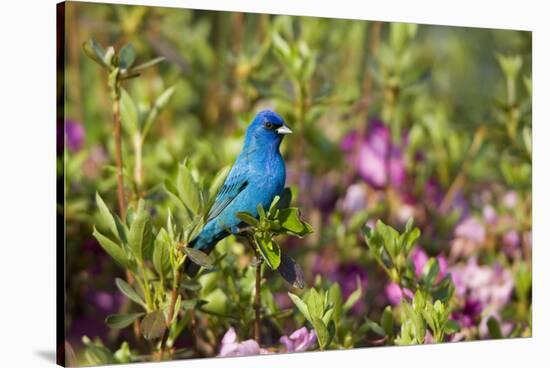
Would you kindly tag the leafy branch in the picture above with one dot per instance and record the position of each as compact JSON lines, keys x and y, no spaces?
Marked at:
{"x":430,"y":307}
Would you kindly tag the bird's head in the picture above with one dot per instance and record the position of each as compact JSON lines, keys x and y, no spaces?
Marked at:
{"x":267,"y":128}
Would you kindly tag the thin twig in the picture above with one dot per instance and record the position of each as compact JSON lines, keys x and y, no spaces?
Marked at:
{"x":257,"y":304}
{"x":171,"y":310}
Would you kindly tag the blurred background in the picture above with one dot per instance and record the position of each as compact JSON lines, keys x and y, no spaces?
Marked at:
{"x":391,"y":121}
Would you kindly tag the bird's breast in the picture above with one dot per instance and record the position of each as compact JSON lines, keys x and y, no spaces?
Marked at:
{"x":269,"y":172}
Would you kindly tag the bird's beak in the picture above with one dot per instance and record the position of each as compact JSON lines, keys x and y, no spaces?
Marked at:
{"x":283,"y":130}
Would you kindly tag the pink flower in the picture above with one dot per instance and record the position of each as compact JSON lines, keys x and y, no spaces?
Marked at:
{"x":489,"y":214}
{"x":395,"y":294}
{"x":492,"y":286}
{"x":419,"y":258}
{"x":511,"y":241}
{"x":75,"y":135}
{"x":355,"y":199}
{"x":468,"y":314}
{"x":471,"y":229}
{"x":510,"y":199}
{"x":299,"y":340}
{"x":378,"y":161}
{"x":469,"y":235}
{"x":231,"y":347}
{"x":97,"y":157}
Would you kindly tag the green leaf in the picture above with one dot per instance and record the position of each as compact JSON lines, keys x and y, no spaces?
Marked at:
{"x":96,"y":353}
{"x":199,"y":257}
{"x":247,"y":218}
{"x":126,"y":56}
{"x":188,"y":190}
{"x":217,"y":302}
{"x":148,"y":64}
{"x":387,"y":321}
{"x":299,"y":303}
{"x":522,"y":280}
{"x":374,"y":327}
{"x":407,"y":334}
{"x":315,"y":304}
{"x":327,"y":317}
{"x":390,"y":238}
{"x":261,"y":211}
{"x":417,"y":321}
{"x":281,"y":46}
{"x":118,"y":321}
{"x":337,"y":300}
{"x":140,"y":237}
{"x":105,"y":215}
{"x":159,"y":104}
{"x":269,"y":249}
{"x":123,"y":355}
{"x":193,"y":303}
{"x":322,"y":332}
{"x":191,"y":285}
{"x":419,"y":300}
{"x":172,"y":192}
{"x":451,"y":326}
{"x":153,"y":325}
{"x":409,"y":239}
{"x":161,"y":253}
{"x":95,"y":52}
{"x":122,"y":230}
{"x":444,"y":289}
{"x":290,"y":221}
{"x":430,"y":271}
{"x":357,"y":221}
{"x":355,"y":296}
{"x":494,"y":328}
{"x":129,"y":291}
{"x":128,"y":113}
{"x":114,"y":250}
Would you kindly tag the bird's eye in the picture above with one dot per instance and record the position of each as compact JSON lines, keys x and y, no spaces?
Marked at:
{"x":268,"y":125}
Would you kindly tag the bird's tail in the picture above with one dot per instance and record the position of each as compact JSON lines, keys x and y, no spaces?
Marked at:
{"x":190,"y":267}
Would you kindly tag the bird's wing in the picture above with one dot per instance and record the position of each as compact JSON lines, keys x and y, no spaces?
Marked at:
{"x":233,"y":185}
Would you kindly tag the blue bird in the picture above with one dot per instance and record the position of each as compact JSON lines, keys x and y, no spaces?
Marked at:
{"x":257,"y":176}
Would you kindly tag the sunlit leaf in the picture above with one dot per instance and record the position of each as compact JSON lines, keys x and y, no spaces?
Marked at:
{"x":269,"y":249}
{"x":290,"y":221}
{"x":114,"y":250}
{"x":140,"y":237}
{"x":105,"y":214}
{"x":299,"y":303}
{"x":247,"y":218}
{"x":188,"y":190}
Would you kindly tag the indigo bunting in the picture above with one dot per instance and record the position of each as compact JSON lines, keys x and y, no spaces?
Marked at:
{"x":257,"y":176}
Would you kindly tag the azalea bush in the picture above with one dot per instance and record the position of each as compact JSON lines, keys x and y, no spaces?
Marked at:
{"x":406,"y":217}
